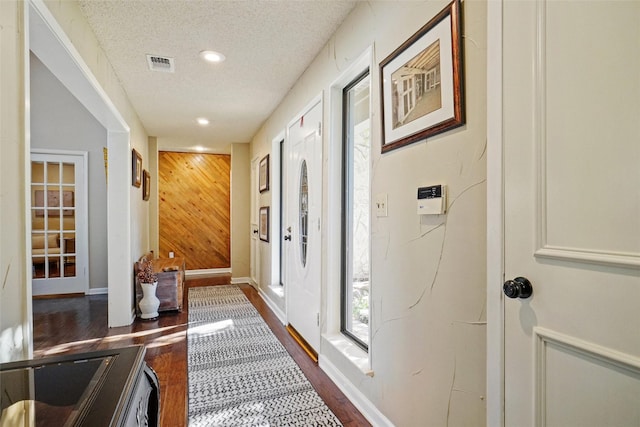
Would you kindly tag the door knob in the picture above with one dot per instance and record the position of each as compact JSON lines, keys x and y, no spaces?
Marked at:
{"x":520,"y":287}
{"x":287,"y":237}
{"x":255,"y":231}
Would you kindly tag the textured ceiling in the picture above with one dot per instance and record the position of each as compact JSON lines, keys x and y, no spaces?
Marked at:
{"x":268,"y":44}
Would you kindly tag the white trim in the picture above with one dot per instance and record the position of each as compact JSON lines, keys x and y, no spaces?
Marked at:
{"x":333,"y":213}
{"x":206,"y":272}
{"x":27,"y":323}
{"x":585,"y":350}
{"x":254,"y":261}
{"x":588,"y":256}
{"x":543,"y":249}
{"x":275,"y":233}
{"x":495,"y":218}
{"x":98,"y":291}
{"x":81,"y":223}
{"x":351,"y":352}
{"x":359,"y":400}
{"x":273,"y":306}
{"x":53,"y":47}
{"x":241,"y":280}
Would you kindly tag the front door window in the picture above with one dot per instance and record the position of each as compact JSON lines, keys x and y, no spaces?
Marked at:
{"x":304,"y":213}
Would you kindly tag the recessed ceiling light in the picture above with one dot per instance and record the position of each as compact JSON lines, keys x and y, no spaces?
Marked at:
{"x":202,"y":121}
{"x":211,"y":56}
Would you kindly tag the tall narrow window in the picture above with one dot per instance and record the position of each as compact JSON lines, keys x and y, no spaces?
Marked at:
{"x":356,"y":211}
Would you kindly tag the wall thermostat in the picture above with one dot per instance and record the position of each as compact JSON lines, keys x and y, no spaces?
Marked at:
{"x":432,"y":200}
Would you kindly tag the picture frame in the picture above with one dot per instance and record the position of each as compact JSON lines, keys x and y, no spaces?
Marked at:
{"x":146,"y":185}
{"x":421,"y":82}
{"x":263,"y":179}
{"x":136,"y":168}
{"x":263,"y":224}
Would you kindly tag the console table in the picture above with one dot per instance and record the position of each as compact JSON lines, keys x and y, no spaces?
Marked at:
{"x":98,"y":389}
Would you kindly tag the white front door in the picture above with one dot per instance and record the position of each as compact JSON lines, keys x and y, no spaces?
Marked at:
{"x":571,"y":140}
{"x":303,"y":205}
{"x":58,"y":224}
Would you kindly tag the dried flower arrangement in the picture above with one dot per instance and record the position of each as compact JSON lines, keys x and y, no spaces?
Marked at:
{"x":146,"y":274}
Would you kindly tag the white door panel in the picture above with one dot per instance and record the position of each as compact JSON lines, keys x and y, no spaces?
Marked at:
{"x":303,"y":202}
{"x":59,"y":225}
{"x":571,"y":104}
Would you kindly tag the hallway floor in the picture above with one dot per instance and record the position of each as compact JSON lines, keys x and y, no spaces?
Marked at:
{"x":79,"y":324}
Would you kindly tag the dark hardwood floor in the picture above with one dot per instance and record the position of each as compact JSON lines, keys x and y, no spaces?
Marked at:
{"x":78,"y":324}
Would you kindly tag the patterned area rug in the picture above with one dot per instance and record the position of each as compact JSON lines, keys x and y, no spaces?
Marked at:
{"x":239,"y":373}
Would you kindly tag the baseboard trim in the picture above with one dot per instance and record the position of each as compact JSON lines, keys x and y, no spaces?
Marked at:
{"x":239,"y":280}
{"x":359,"y":400}
{"x":98,"y":291}
{"x":206,"y":272}
{"x":273,"y":306}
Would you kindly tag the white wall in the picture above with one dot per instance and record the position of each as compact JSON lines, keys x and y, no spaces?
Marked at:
{"x":428,"y":319}
{"x":14,"y":312}
{"x":75,"y":26}
{"x":59,"y":121}
{"x":15,"y":307}
{"x":133,"y":230}
{"x":240,"y":211}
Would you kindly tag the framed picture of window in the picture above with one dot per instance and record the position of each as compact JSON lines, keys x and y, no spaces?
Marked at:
{"x":421,"y":82}
{"x":263,"y":224}
{"x":136,"y":168}
{"x":264,"y":174}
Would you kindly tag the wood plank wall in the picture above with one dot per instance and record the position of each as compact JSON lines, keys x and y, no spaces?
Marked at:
{"x":194,"y":208}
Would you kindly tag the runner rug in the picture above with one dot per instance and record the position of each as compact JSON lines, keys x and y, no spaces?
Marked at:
{"x":239,"y":373}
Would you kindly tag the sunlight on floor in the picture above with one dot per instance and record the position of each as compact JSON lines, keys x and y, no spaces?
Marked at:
{"x":210,"y":328}
{"x":125,"y":339}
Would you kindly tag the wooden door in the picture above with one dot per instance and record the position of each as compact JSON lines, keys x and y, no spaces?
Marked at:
{"x":571,"y":104}
{"x":303,"y":205}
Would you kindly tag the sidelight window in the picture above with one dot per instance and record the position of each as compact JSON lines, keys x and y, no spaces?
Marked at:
{"x":356,"y":207}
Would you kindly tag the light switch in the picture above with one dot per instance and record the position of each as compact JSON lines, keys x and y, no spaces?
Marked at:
{"x":381,"y":205}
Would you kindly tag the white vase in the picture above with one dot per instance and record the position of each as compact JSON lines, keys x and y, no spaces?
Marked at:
{"x":149,"y":303}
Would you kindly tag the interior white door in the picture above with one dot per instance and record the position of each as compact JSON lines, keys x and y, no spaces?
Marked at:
{"x":59,"y":226}
{"x":571,"y":104}
{"x":255,"y":242}
{"x":303,"y":202}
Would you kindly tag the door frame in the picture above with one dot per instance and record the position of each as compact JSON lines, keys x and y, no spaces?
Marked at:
{"x":495,"y":218}
{"x":45,"y":37}
{"x":254,"y":264}
{"x":276,"y":214}
{"x":83,"y":242}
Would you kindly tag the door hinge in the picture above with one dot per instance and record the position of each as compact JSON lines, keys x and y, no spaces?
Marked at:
{"x":319,"y":128}
{"x":318,"y":319}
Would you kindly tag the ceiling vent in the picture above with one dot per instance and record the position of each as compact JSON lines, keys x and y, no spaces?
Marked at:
{"x":161,"y":63}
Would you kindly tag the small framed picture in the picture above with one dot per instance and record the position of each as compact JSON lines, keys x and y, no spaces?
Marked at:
{"x":136,"y":168}
{"x":264,"y":174}
{"x":263,"y":219}
{"x":421,"y":82}
{"x":146,"y":185}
